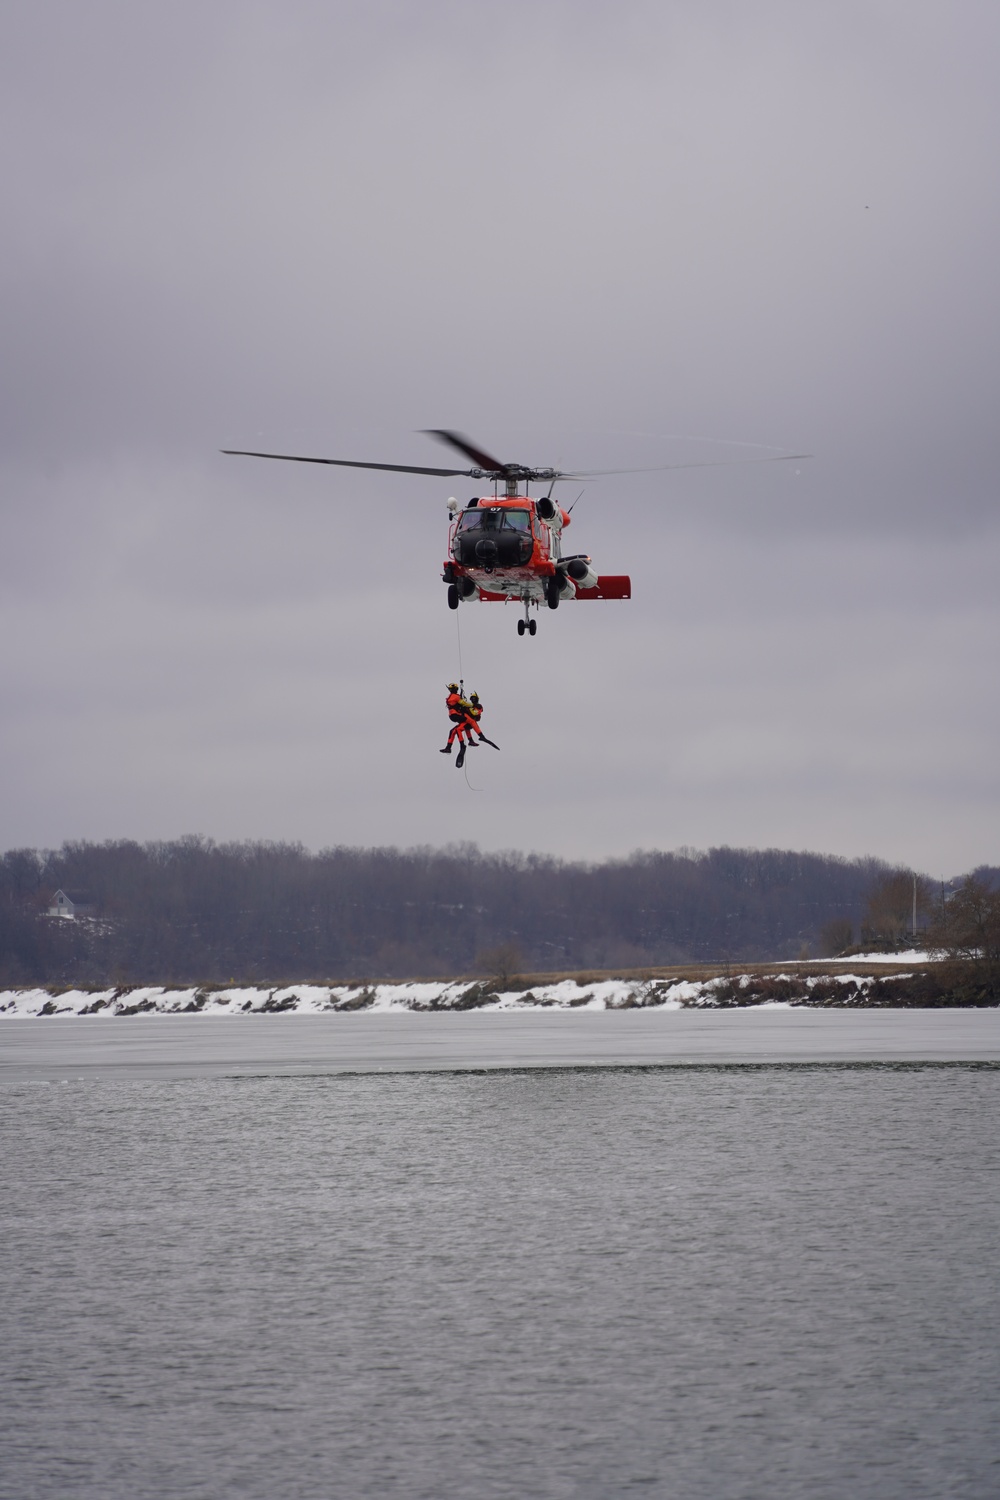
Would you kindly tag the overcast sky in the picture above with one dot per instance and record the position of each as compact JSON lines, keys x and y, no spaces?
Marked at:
{"x":587,"y":234}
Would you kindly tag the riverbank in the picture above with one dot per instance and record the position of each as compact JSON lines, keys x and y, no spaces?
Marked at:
{"x":875,"y":984}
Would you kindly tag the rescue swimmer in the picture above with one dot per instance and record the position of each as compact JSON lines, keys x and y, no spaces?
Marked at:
{"x":465,"y":714}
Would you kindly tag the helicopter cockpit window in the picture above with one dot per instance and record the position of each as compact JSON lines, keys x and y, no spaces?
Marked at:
{"x":493,"y":517}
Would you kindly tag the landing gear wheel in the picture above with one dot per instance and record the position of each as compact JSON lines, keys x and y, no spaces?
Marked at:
{"x":552,"y":592}
{"x":452,"y":596}
{"x":520,"y":627}
{"x":532,"y":626}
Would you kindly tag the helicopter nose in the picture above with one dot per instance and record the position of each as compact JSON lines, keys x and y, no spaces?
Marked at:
{"x":486,"y":551}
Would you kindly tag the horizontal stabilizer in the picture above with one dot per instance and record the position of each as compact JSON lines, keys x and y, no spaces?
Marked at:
{"x":611,"y":586}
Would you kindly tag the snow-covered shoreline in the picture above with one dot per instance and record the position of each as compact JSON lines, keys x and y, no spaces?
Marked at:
{"x":793,"y":988}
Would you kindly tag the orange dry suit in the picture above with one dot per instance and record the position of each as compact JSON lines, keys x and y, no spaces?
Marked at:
{"x":459,"y":710}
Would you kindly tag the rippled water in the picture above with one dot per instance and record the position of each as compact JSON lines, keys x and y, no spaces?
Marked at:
{"x":713,"y":1282}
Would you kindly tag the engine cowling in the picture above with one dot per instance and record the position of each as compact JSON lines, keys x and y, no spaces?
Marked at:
{"x":548,"y":511}
{"x":581,"y":571}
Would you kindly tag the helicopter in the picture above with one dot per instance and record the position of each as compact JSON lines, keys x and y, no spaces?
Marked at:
{"x":508,"y":546}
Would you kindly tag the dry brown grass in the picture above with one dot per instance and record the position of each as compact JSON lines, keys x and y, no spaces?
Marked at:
{"x":698,"y":972}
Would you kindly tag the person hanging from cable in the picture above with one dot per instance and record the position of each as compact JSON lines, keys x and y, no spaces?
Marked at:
{"x":475,"y":713}
{"x":464,"y":714}
{"x":462,"y":724}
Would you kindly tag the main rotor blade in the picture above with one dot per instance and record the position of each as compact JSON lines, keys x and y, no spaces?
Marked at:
{"x":705,"y":463}
{"x":350,"y":463}
{"x":479,"y":457}
{"x":490,"y":466}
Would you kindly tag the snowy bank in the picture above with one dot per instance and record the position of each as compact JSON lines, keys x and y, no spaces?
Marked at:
{"x":792,"y":988}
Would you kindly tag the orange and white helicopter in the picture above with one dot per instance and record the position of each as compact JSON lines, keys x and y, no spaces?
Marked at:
{"x":507,"y":546}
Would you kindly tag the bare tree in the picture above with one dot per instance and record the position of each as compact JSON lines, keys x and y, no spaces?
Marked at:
{"x":968,"y":925}
{"x":836,"y":936}
{"x":501,"y":964}
{"x":888,"y":919}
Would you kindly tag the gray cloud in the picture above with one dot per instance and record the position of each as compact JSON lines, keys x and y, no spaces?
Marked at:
{"x":587,"y":236}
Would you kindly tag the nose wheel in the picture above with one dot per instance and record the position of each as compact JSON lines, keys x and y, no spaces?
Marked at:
{"x":526,"y":625}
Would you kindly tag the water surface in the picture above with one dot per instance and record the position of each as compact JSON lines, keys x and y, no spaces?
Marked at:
{"x":729,"y":1282}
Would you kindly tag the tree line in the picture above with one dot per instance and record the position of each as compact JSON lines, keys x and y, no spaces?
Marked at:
{"x":192,"y":910}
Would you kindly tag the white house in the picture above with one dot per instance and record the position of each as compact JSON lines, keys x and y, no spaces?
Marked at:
{"x":64,"y":906}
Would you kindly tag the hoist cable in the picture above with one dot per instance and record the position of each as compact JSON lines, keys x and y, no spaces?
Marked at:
{"x":461,"y":684}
